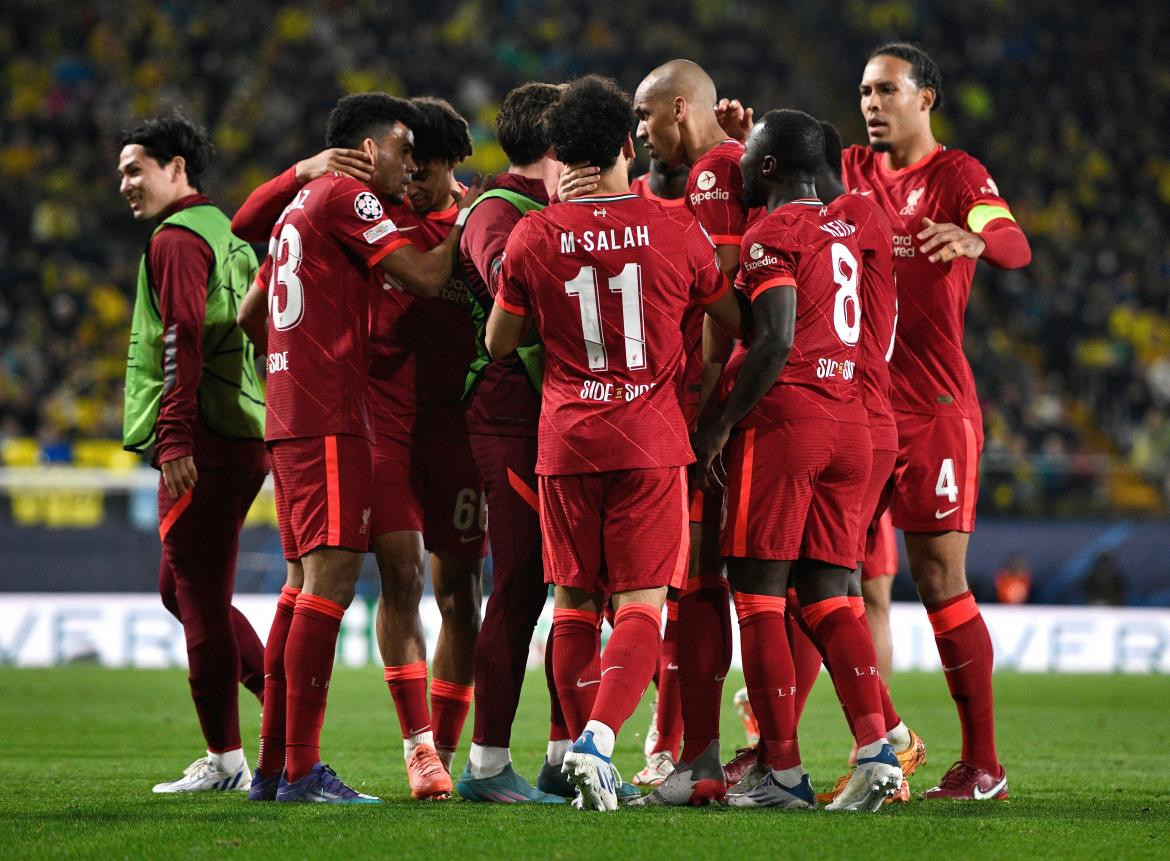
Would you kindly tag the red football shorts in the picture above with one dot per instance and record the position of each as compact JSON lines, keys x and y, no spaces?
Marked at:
{"x":880,"y":486}
{"x":428,"y":482}
{"x":324,"y":487}
{"x":881,"y":549}
{"x":616,"y":531}
{"x":936,"y":477}
{"x":794,"y":491}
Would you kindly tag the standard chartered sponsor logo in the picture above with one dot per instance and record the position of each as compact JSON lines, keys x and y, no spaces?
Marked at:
{"x":903,"y":245}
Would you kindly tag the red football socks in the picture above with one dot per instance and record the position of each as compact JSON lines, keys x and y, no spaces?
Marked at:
{"x":308,"y":667}
{"x":449,"y":705}
{"x":704,"y":656}
{"x":889,"y":713}
{"x":967,"y":658}
{"x":271,"y":759}
{"x":669,"y":718}
{"x":628,"y":663}
{"x":558,"y":729}
{"x":576,"y":638}
{"x":408,"y":689}
{"x":848,"y":650}
{"x":806,"y":658}
{"x":770,"y":676}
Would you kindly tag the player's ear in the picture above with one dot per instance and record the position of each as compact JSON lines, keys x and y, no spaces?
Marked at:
{"x":370,"y":148}
{"x":178,"y":167}
{"x":628,"y":150}
{"x":927,"y":96}
{"x":680,"y":109}
{"x":768,"y":166}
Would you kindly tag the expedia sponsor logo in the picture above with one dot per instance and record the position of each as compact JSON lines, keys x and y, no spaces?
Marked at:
{"x":707,"y":190}
{"x":759,"y":257}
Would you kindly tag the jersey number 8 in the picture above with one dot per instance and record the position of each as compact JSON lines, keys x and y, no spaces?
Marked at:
{"x":846,"y":303}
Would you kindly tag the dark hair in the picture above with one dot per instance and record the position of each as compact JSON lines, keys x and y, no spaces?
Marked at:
{"x":923,"y":69}
{"x":364,"y":115}
{"x":833,"y":147}
{"x":795,"y":140}
{"x":164,"y":138}
{"x":591,"y":121}
{"x":520,"y":125}
{"x":439,"y":131}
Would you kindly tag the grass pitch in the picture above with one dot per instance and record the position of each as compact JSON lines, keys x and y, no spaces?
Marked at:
{"x":1087,"y":756}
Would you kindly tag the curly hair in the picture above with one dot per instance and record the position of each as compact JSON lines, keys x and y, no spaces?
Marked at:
{"x":440,"y":132}
{"x":363,"y":115}
{"x":591,"y":121}
{"x":520,"y":124}
{"x":164,"y":138}
{"x":923,"y":69}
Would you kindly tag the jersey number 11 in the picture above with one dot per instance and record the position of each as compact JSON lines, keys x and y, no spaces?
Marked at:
{"x":628,"y":283}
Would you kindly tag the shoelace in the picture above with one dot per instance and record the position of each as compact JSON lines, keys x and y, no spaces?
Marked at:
{"x":199,"y":767}
{"x":429,"y":766}
{"x":334,"y":784}
{"x":957,"y":776}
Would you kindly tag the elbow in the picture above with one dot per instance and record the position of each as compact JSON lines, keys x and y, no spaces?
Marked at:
{"x":495,"y":347}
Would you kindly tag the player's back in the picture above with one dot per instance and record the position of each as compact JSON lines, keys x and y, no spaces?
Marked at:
{"x":879,"y":298}
{"x":607,"y":281}
{"x":806,"y":246}
{"x":319,"y":288}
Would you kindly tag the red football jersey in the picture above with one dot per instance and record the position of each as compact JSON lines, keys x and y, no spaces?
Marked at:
{"x":606,"y":280}
{"x":929,"y":372}
{"x":420,"y":348}
{"x":804,"y":245}
{"x":319,"y":273}
{"x":879,"y":301}
{"x":690,"y":384}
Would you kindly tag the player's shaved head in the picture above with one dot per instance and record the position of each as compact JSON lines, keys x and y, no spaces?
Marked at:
{"x":684,"y":78}
{"x":675,"y":97}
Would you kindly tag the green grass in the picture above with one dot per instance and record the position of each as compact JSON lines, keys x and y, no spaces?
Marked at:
{"x":1088,"y":758}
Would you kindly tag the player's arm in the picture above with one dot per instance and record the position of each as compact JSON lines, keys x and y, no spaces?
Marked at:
{"x":253,"y":314}
{"x":989,"y":230}
{"x":180,"y":263}
{"x":773,"y":329}
{"x":424,"y":273}
{"x":505,"y":331}
{"x":254,"y":220}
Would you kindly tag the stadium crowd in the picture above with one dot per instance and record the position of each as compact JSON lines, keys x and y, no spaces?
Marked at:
{"x":1072,"y":354}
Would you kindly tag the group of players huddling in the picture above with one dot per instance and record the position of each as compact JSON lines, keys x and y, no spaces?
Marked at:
{"x":711,"y":385}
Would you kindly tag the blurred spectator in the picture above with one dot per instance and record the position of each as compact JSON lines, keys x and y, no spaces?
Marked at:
{"x":1013,"y":582}
{"x":1072,"y":355}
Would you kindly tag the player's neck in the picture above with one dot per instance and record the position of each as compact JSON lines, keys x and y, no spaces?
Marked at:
{"x":704,"y":137}
{"x":910,"y":152}
{"x":616,"y":180}
{"x":544,"y":169}
{"x":786,"y":192}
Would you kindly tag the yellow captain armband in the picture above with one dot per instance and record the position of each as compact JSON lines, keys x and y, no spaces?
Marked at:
{"x":982,"y":215}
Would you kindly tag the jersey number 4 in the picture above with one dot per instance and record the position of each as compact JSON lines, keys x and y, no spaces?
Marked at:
{"x":587,"y":287}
